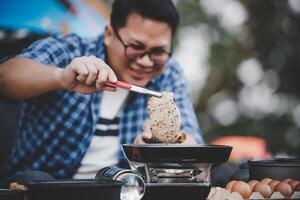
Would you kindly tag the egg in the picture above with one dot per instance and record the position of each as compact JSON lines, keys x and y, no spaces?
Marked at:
{"x":273,"y":184}
{"x":252,"y":183}
{"x":264,"y":189}
{"x":284,"y":188}
{"x":242,"y":188}
{"x":297,"y":188}
{"x":266,"y":180}
{"x":286,"y":180}
{"x":229,"y":185}
{"x":293,"y":183}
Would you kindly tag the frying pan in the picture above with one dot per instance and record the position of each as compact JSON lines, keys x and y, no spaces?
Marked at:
{"x":92,"y":189}
{"x":176,"y":192}
{"x":275,"y":168}
{"x":7,"y":194}
{"x":176,"y":153}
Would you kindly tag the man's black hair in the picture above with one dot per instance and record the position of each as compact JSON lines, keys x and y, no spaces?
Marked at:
{"x":160,"y":10}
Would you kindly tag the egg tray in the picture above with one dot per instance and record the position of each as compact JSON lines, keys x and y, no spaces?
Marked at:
{"x":218,"y":193}
{"x":267,"y":187}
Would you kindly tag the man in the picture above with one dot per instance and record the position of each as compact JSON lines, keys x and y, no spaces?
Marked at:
{"x":71,"y":122}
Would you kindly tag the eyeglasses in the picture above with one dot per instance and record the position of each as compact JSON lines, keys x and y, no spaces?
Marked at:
{"x":133,"y":52}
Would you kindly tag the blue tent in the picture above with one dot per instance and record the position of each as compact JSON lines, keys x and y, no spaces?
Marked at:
{"x":49,"y":16}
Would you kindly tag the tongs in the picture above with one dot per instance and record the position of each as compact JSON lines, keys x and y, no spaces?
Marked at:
{"x":133,"y":88}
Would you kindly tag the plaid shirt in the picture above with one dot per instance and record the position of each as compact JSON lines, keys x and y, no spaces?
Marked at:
{"x":55,"y":128}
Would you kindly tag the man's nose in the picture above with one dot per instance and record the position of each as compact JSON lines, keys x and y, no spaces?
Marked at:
{"x":145,"y":61}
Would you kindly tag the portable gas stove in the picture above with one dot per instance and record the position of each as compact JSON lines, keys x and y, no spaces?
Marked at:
{"x":174,"y":171}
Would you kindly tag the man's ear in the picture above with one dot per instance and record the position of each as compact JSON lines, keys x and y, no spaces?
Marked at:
{"x":108,"y":35}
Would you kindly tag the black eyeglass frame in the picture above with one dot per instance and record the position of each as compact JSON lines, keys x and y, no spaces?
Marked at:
{"x":146,"y":52}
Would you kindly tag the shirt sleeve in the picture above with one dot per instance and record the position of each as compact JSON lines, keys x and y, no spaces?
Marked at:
{"x":54,"y":51}
{"x":176,"y":83}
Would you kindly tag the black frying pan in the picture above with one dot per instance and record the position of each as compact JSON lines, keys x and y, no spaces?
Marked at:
{"x":275,"y":168}
{"x":74,"y":190}
{"x":176,"y":153}
{"x":6,"y":194}
{"x":176,"y":192}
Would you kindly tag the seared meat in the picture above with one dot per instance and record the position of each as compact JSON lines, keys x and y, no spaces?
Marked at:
{"x":164,"y":119}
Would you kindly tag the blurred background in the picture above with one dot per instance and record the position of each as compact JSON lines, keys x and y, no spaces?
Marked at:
{"x":241,"y":59}
{"x":243,"y":66}
{"x":22,"y":22}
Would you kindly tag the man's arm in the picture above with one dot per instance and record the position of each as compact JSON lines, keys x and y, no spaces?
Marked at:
{"x":22,"y":78}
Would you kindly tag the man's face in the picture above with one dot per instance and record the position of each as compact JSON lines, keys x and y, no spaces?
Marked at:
{"x":141,"y":34}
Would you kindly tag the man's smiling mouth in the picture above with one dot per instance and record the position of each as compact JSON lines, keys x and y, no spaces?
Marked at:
{"x":139,"y":74}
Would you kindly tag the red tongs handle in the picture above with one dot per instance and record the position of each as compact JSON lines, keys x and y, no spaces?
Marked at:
{"x":119,"y":84}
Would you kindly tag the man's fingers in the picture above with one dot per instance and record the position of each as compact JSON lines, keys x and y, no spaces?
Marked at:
{"x":78,"y":66}
{"x":147,"y":135}
{"x":189,"y":139}
{"x":85,"y":89}
{"x":97,"y":62}
{"x":111,"y":75}
{"x":81,"y":77}
{"x":147,"y":131}
{"x":139,"y":140}
{"x":92,"y":71}
{"x":108,"y":88}
{"x":102,"y":76}
{"x":82,"y":72}
{"x":101,"y":66}
{"x":146,"y":125}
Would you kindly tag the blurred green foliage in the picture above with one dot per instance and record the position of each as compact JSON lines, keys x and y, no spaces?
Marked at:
{"x":271,"y":35}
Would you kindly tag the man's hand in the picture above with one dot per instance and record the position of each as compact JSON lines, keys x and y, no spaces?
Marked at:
{"x":189,"y":139}
{"x":86,"y":75}
{"x":146,"y":135}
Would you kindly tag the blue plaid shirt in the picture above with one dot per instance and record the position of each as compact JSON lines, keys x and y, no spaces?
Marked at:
{"x":55,"y":128}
